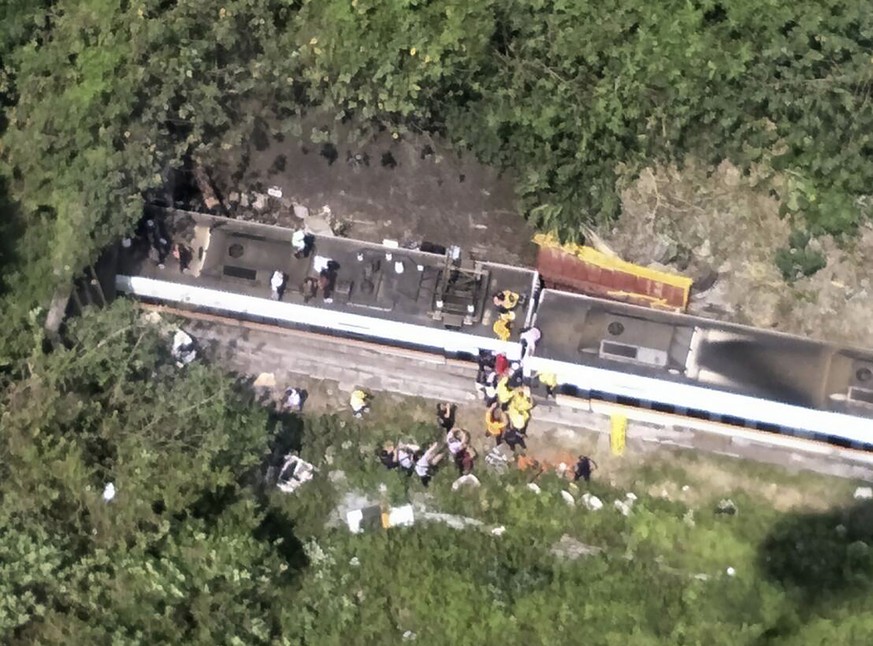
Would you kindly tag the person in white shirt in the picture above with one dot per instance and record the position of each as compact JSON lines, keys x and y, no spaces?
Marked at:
{"x":293,"y":400}
{"x":456,"y":441}
{"x":277,"y":283}
{"x":529,"y":339}
{"x":425,"y":465}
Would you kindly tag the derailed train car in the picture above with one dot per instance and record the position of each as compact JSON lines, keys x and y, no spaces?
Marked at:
{"x":609,"y":357}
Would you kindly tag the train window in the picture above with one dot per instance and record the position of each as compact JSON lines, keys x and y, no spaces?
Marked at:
{"x":235,"y":250}
{"x":735,"y":421}
{"x":627,"y":401}
{"x":768,"y":428}
{"x":663,"y":408}
{"x":240,"y":272}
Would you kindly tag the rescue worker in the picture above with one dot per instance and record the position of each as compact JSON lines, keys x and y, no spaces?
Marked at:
{"x":549,"y":380}
{"x":513,"y":438}
{"x":505,"y":301}
{"x":495,"y":422}
{"x":504,"y":392}
{"x":518,"y":420}
{"x":359,"y":402}
{"x":521,"y":401}
{"x":502,"y":328}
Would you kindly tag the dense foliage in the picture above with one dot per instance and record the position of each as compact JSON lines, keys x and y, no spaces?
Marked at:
{"x":197,"y":548}
{"x":102,"y":97}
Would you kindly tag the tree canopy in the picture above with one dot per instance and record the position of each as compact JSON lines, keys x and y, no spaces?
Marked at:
{"x":102,"y":97}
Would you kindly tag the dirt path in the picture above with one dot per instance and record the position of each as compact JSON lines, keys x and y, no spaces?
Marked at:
{"x":409,"y":188}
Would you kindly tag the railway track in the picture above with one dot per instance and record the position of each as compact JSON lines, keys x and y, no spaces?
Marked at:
{"x":253,"y":347}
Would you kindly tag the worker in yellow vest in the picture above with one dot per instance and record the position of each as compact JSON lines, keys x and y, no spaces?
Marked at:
{"x":549,"y":380}
{"x":504,"y":392}
{"x":495,"y":422}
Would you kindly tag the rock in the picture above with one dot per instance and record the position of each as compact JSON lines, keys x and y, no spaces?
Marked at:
{"x":730,"y":571}
{"x":592,"y":502}
{"x":863,"y":493}
{"x":686,"y":488}
{"x":498,"y":531}
{"x":704,"y":250}
{"x":244,"y":200}
{"x":233,"y":197}
{"x":727,"y":507}
{"x":533,"y":486}
{"x":568,"y":498}
{"x":354,"y":561}
{"x":631,"y":497}
{"x":468,"y":480}
{"x":259,"y":203}
{"x":623,"y":507}
{"x":570,"y":548}
{"x":109,"y":492}
{"x":337,"y":476}
{"x":841,"y":530}
{"x":688,"y":518}
{"x":301,"y":211}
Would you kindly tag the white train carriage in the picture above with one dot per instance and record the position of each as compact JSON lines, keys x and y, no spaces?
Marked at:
{"x":380,"y":293}
{"x":692,"y":372}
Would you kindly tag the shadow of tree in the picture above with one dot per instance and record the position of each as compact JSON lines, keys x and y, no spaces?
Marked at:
{"x":821,"y":560}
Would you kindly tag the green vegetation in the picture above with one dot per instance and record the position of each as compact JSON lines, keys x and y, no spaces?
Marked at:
{"x":196,"y":548}
{"x":100,"y":98}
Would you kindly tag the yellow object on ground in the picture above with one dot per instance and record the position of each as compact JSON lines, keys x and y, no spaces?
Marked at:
{"x":501,"y":329}
{"x":617,"y":434}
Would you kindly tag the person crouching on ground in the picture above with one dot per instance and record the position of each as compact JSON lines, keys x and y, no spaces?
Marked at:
{"x":427,"y":463}
{"x":456,"y":441}
{"x":359,"y":402}
{"x":584,"y":467}
{"x":445,"y":413}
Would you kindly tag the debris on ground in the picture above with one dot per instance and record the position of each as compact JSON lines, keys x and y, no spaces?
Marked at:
{"x":109,"y":492}
{"x":498,"y":531}
{"x":265,"y":380}
{"x":183,"y":349}
{"x":499,"y":458}
{"x":570,"y":548}
{"x":726,"y":507}
{"x":469,"y":481}
{"x":730,"y":571}
{"x":294,"y":473}
{"x":863,"y":493}
{"x":453,"y":521}
{"x":591,"y":502}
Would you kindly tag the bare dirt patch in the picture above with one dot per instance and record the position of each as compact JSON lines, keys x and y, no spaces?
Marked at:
{"x":406,"y":188}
